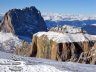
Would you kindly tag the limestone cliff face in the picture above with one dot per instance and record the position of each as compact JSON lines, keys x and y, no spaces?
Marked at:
{"x":44,"y":47}
{"x":6,"y":25}
{"x":23,"y":22}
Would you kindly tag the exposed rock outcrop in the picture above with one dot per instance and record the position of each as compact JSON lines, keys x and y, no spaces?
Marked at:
{"x":24,"y":50}
{"x":23,"y":22}
{"x":63,"y":47}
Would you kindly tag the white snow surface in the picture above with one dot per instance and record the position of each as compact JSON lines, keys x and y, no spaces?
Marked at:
{"x":66,"y":37}
{"x":10,"y":65}
{"x":65,"y":17}
{"x":8,"y":42}
{"x":10,"y":62}
{"x":29,"y":68}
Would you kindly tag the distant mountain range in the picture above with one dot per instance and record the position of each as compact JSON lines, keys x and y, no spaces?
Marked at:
{"x":63,"y":17}
{"x":59,"y":20}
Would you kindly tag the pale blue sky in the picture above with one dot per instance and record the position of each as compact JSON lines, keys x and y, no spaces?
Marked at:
{"x":84,"y":7}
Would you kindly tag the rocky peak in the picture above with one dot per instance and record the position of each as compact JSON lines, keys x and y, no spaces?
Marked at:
{"x":23,"y":22}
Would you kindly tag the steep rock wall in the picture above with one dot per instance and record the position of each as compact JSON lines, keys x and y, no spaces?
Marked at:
{"x":43,"y":47}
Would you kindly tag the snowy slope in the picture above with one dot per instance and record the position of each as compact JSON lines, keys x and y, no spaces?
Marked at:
{"x":10,"y":62}
{"x":8,"y":42}
{"x":9,"y":66}
{"x":66,"y":37}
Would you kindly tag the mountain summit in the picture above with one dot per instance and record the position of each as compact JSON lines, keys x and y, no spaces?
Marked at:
{"x":23,"y":22}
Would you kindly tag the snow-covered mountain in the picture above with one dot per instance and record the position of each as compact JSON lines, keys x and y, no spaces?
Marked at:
{"x":11,"y":62}
{"x":23,"y":22}
{"x":56,"y":19}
